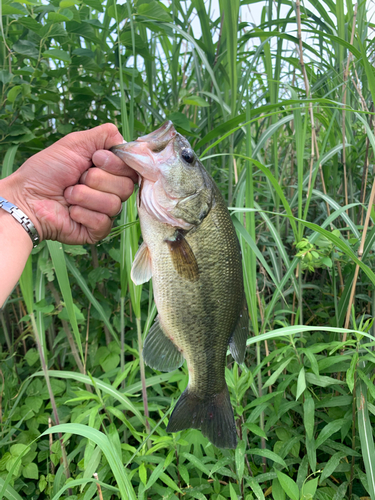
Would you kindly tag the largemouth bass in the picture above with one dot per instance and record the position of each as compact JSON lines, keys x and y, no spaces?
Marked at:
{"x":191,"y":251}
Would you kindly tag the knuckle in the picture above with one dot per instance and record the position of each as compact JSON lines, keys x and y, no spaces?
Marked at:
{"x":78,"y":193}
{"x":115,"y":205}
{"x":109,"y":128}
{"x":93,"y":178}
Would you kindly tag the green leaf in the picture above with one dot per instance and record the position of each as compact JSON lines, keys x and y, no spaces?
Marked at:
{"x":257,"y":490}
{"x":9,"y":493}
{"x":69,"y":3}
{"x":309,"y":489}
{"x":9,"y":10}
{"x":156,"y":473}
{"x":84,"y":287}
{"x":341,"y":491}
{"x":59,"y":17}
{"x":110,"y":362}
{"x":240,"y":459}
{"x":27,"y":285}
{"x":8,"y":162}
{"x":26,"y":48}
{"x":169,"y":482}
{"x":288,"y":485}
{"x":13,"y":93}
{"x":101,"y":440}
{"x":301,"y":383}
{"x":195,"y":100}
{"x":308,"y":416}
{"x":277,"y":492}
{"x":59,"y":54}
{"x":331,"y":465}
{"x":350,"y":374}
{"x":18,"y":449}
{"x":255,"y":429}
{"x":94,"y":4}
{"x":321,"y":380}
{"x":82,"y":52}
{"x":275,"y":375}
{"x":154,"y":10}
{"x":33,"y":403}
{"x":268,"y":454}
{"x":30,"y":471}
{"x":142,"y":471}
{"x":366,"y":438}
{"x":184,"y":473}
{"x":328,"y":430}
{"x":58,"y":258}
{"x":196,"y":462}
{"x":179,"y":120}
{"x":31,"y":356}
{"x":233,"y":494}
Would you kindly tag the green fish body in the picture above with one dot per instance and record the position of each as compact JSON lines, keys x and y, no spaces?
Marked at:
{"x":191,"y":250}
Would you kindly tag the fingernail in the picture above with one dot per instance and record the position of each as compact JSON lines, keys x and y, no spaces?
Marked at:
{"x":83,"y":176}
{"x":101,"y":158}
{"x":68,"y":192}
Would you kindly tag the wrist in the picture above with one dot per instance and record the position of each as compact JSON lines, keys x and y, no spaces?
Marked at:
{"x":11,"y":190}
{"x":13,"y":233}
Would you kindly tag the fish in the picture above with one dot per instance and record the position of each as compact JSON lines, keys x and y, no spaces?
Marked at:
{"x":191,"y":251}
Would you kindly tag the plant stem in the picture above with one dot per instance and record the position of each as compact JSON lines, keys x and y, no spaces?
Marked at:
{"x":143,"y":377}
{"x":51,"y":395}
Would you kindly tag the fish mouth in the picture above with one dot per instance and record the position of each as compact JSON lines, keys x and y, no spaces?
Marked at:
{"x":158,"y":139}
{"x":142,"y":154}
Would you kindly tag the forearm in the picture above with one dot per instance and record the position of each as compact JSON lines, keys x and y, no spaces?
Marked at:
{"x":15,"y":246}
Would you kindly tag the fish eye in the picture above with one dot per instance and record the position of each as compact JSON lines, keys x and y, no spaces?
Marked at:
{"x":188,"y":155}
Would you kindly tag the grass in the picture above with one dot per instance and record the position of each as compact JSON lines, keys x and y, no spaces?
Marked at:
{"x":282,"y":117}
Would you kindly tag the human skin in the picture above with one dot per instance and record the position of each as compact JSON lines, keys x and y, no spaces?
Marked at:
{"x":63,"y":196}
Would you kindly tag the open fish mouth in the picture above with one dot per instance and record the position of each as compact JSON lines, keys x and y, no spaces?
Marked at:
{"x":158,"y":139}
{"x":142,"y":154}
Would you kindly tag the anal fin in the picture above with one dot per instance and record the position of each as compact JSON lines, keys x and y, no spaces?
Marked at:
{"x":183,"y":258}
{"x":141,"y":268}
{"x":237,"y":342}
{"x":159,"y":352}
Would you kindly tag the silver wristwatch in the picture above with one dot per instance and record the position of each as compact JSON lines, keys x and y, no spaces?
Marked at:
{"x":22,"y":218}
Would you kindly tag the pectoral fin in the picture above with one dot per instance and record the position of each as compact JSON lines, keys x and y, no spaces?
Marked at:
{"x":141,"y":268}
{"x":159,"y":352}
{"x":183,"y":258}
{"x":237,"y":343}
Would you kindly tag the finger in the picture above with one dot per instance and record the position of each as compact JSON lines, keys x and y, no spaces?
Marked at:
{"x":91,"y":199}
{"x":85,"y":143}
{"x":111,"y":163}
{"x":97,"y":225}
{"x":98,"y":179}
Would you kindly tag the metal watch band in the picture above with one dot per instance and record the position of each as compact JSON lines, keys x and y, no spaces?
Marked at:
{"x":22,"y":218}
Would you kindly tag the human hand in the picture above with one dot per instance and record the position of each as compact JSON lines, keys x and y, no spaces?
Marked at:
{"x":66,"y":199}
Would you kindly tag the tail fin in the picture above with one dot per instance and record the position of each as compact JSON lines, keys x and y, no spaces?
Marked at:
{"x":213,"y":415}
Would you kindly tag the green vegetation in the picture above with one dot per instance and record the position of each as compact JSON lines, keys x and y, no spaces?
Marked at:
{"x":282,"y":116}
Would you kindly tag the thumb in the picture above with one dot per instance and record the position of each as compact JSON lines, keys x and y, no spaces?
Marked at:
{"x":85,"y":143}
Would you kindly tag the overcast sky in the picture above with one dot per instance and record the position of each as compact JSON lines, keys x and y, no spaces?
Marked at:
{"x":252,"y":12}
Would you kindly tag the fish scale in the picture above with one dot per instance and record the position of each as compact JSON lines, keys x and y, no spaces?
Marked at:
{"x":195,"y":263}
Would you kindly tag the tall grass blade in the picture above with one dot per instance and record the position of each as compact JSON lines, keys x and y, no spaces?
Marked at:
{"x":366,"y":437}
{"x":115,"y":461}
{"x":8,"y":161}
{"x":86,"y":290}
{"x":58,"y":259}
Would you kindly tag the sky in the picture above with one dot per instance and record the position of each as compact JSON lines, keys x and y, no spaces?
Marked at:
{"x":252,"y":12}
